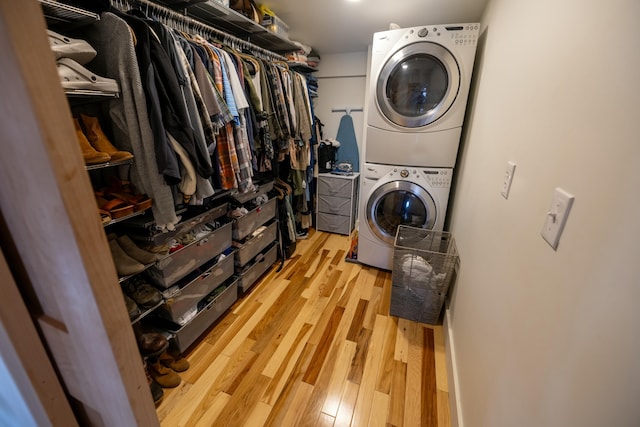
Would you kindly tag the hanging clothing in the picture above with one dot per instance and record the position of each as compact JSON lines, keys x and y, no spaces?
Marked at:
{"x":111,"y":36}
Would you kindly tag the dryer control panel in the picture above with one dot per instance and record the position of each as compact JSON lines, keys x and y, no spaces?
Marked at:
{"x":438,"y":178}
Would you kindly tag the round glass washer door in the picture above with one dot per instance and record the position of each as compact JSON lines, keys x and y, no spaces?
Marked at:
{"x":399,"y":203}
{"x":418,"y":85}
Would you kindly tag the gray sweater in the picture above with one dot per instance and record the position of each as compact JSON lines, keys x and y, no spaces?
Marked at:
{"x":116,"y":59}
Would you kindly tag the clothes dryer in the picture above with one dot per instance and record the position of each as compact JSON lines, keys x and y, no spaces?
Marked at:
{"x":419,"y":85}
{"x":397,"y":195}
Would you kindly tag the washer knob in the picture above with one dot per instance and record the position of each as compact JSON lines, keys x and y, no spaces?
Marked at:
{"x":423,"y":32}
{"x":404,"y":173}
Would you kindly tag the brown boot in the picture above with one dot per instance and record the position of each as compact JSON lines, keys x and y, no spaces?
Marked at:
{"x":99,"y":140}
{"x":91,"y":156}
{"x":175,"y":362}
{"x":164,"y":376}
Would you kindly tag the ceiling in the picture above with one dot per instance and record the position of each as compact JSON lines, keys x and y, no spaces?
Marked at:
{"x":340,"y":26}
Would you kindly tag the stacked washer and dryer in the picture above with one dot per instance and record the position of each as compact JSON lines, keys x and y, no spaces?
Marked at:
{"x":419,"y":84}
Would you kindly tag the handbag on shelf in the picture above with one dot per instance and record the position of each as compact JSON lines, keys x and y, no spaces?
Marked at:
{"x":248,"y":8}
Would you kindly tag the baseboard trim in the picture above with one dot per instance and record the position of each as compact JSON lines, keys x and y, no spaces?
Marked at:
{"x":452,"y":373}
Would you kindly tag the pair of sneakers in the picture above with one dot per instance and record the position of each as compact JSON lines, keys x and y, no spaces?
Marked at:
{"x":71,"y":54}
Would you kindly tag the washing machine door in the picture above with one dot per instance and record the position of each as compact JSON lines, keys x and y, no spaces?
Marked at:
{"x":399,"y":203}
{"x":417,"y":85}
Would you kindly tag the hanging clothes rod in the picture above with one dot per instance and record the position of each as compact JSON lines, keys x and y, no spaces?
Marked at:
{"x":347,"y":110}
{"x":184,"y":23}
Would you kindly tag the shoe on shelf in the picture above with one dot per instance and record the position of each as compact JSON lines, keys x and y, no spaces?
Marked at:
{"x":156,"y":391}
{"x":136,"y":252}
{"x":91,"y":155}
{"x":74,"y":76}
{"x":66,"y":47}
{"x":152,"y":344}
{"x":145,"y":295}
{"x":174,"y":361}
{"x":99,"y":140}
{"x":114,"y":206}
{"x":125,"y":265}
{"x":164,"y":376}
{"x":132,"y":308}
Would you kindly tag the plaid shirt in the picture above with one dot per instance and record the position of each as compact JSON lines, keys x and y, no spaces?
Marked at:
{"x":227,"y":158}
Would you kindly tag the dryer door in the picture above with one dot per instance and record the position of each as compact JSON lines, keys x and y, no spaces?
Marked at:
{"x":399,"y":203}
{"x":417,"y":85}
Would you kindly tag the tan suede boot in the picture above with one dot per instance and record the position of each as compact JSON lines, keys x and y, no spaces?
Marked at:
{"x":99,"y":140}
{"x":91,"y":156}
{"x":136,"y":252}
{"x":125,"y":265}
{"x":164,"y":376}
{"x":175,"y":362}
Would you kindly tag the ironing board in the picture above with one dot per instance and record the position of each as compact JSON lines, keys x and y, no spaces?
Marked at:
{"x":348,"y":151}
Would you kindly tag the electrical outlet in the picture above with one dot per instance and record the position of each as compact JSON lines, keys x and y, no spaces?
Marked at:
{"x":557,"y":217}
{"x":508,"y":177}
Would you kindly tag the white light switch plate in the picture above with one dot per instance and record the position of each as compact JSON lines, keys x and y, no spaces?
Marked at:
{"x":508,"y":177}
{"x":557,"y":217}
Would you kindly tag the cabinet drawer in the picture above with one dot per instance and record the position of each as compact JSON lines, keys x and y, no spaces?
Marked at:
{"x":253,"y":246}
{"x":174,"y":267}
{"x":334,"y":223}
{"x":194,"y":289}
{"x":245,"y":225}
{"x":250,"y":274}
{"x":189,"y":333}
{"x":335,"y":186}
{"x":334,"y":205}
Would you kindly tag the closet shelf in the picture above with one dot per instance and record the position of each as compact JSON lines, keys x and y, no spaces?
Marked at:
{"x":59,"y":13}
{"x":124,"y":218}
{"x":125,"y":278}
{"x":108,"y":165}
{"x":229,"y":20}
{"x":301,"y":67}
{"x":146,"y":312}
{"x":89,"y":94}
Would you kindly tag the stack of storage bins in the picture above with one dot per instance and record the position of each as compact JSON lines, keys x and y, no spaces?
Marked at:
{"x":197,"y":280}
{"x":255,"y":238}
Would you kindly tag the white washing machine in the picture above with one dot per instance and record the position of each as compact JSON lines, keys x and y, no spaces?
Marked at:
{"x":419,"y":85}
{"x":398,"y":195}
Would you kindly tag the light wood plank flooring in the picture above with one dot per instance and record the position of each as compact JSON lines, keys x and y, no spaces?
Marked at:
{"x":314,"y":345}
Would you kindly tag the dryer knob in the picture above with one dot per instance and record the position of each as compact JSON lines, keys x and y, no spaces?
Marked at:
{"x":404,"y":173}
{"x":423,"y":32}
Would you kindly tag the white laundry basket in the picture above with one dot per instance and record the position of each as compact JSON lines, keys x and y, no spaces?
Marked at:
{"x":424,"y":265}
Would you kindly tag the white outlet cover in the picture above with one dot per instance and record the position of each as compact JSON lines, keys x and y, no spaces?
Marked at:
{"x":508,"y":178}
{"x":557,"y":217}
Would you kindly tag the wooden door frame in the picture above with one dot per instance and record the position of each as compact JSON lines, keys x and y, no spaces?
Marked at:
{"x":54,"y":242}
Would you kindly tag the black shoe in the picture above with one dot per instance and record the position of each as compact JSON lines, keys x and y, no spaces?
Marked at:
{"x":156,"y":391}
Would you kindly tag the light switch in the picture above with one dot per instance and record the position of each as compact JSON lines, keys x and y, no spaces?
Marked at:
{"x":508,"y":177}
{"x":557,"y":217}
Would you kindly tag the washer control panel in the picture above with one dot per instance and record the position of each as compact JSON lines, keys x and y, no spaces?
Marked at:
{"x":461,"y":34}
{"x":438,"y":178}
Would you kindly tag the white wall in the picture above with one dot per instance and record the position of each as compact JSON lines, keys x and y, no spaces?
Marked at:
{"x":341,"y":83}
{"x":544,"y":337}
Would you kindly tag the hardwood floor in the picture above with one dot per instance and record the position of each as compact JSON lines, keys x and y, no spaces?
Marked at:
{"x":314,"y":345}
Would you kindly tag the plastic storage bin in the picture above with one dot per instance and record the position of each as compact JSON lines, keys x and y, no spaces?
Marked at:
{"x":424,"y":265}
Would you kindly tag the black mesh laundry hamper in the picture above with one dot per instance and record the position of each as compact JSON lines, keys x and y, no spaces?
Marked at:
{"x":424,"y":264}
